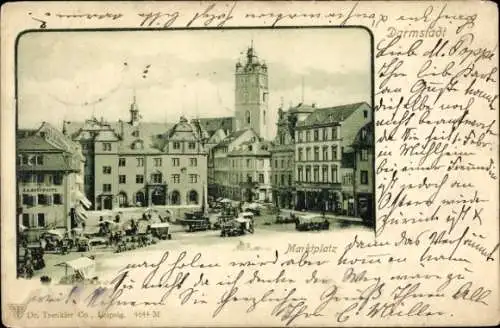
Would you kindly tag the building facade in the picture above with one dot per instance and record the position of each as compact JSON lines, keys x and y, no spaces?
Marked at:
{"x":252,"y":95}
{"x":363,"y":173}
{"x":138,"y":163}
{"x":222,"y":165}
{"x":250,"y":171}
{"x":323,"y":168}
{"x":283,"y":154}
{"x":50,"y":171}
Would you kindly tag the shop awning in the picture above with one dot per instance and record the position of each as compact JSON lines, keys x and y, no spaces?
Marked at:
{"x":81,"y":214}
{"x":82,"y":199}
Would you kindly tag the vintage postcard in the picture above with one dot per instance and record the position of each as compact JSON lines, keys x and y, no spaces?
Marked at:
{"x":249,"y":164}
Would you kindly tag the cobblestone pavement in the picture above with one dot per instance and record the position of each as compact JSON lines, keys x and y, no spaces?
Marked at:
{"x":181,"y":239}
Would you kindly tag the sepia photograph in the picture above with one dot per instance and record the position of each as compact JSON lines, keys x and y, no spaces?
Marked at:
{"x":249,"y":164}
{"x":143,"y":139}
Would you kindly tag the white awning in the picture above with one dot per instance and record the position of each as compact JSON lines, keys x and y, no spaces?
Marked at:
{"x":84,"y":265}
{"x":160,"y":225}
{"x":82,"y":199}
{"x":80,"y":214}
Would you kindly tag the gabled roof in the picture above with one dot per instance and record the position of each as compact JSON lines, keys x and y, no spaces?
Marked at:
{"x":55,"y":162}
{"x":331,"y":114}
{"x":211,"y":125}
{"x":365,"y":137}
{"x":34,"y":143}
{"x":217,"y":137}
{"x":151,"y":135}
{"x":232,"y":137}
{"x":252,"y":148}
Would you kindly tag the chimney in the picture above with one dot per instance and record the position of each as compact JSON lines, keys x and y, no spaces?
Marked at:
{"x":314,"y":105}
{"x":121,"y":128}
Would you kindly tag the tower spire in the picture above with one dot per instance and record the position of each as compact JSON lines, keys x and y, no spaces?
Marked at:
{"x":134,"y":110}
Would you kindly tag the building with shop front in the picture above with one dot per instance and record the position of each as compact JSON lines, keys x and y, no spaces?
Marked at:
{"x":217,"y":129}
{"x":49,"y":180}
{"x":363,"y":177}
{"x":250,"y":171}
{"x":324,"y":171}
{"x":135,"y":163}
{"x":222,"y":167}
{"x":283,"y":154}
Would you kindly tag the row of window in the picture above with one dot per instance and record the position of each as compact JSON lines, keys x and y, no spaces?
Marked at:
{"x":333,"y":178}
{"x":288,"y":162}
{"x":248,"y":163}
{"x":34,"y":220}
{"x":334,"y":154}
{"x":40,"y":178}
{"x":281,"y":179}
{"x":301,"y":177}
{"x":155,"y":178}
{"x":42,"y":199}
{"x":306,"y":136}
{"x":237,"y":178}
{"x":106,"y":146}
{"x":30,"y":159}
{"x":158,"y":162}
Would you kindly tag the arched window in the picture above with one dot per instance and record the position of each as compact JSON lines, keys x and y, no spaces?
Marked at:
{"x":247,"y":117}
{"x":193,"y":197}
{"x":175,"y":198}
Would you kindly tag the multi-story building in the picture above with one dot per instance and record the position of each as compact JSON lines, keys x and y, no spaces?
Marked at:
{"x":250,"y":171}
{"x":321,"y":142}
{"x":283,"y":154}
{"x":137,"y":163}
{"x":50,"y":180}
{"x":217,"y":129}
{"x":363,"y":178}
{"x":222,"y":166}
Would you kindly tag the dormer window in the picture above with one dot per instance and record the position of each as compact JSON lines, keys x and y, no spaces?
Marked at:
{"x":135,"y":133}
{"x":137,"y":145}
{"x":250,"y":147}
{"x":106,"y":146}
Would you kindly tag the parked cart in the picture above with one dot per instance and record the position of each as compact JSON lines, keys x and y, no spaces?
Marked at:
{"x":311,"y":222}
{"x":77,"y":271}
{"x":161,"y":231}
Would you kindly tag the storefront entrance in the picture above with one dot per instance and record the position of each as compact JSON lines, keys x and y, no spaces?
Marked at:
{"x":107,"y":202}
{"x":158,"y":196}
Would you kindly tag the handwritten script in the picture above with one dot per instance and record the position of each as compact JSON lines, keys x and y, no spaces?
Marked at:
{"x":436,"y":134}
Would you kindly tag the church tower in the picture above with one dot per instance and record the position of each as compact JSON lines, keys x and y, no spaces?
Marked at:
{"x":252,"y":95}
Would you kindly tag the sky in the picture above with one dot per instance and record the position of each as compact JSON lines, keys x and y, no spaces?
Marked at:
{"x":74,"y":75}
